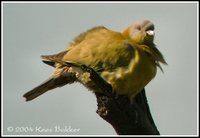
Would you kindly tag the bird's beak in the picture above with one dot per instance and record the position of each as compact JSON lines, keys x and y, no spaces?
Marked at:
{"x":150,"y":32}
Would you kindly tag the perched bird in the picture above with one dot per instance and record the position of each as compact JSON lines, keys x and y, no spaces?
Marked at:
{"x":128,"y":60}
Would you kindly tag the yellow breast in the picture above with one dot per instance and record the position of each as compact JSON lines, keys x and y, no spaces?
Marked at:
{"x":132,"y":79}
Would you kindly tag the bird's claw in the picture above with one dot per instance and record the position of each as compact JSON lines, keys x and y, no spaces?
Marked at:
{"x":81,"y":66}
{"x":86,"y":68}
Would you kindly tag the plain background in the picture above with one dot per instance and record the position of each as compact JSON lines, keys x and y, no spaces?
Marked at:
{"x":34,"y":29}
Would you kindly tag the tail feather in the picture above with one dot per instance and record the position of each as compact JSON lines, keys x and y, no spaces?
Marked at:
{"x":37,"y":91}
{"x":50,"y":84}
{"x":60,"y":77}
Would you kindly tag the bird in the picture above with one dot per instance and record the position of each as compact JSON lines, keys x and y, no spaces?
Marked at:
{"x":126,"y":60}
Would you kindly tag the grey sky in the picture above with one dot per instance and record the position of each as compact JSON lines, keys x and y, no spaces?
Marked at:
{"x":31,"y":30}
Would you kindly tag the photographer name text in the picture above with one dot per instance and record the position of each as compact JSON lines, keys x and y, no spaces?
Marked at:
{"x":40,"y":129}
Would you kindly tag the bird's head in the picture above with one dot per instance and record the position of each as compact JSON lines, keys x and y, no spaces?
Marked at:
{"x":141,"y":32}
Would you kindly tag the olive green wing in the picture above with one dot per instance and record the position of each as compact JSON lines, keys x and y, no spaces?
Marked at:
{"x":51,"y":59}
{"x":102,"y":49}
{"x":99,"y":48}
{"x":55,"y":58}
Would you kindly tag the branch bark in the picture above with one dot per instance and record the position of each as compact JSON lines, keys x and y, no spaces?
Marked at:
{"x":126,"y":118}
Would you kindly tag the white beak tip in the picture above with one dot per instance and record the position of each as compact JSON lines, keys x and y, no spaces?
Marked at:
{"x":150,"y":32}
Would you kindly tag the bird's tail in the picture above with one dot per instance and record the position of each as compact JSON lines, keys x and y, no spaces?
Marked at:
{"x":51,"y":83}
{"x":37,"y":91}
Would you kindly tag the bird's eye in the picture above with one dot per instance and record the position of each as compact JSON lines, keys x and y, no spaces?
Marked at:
{"x":139,"y":27}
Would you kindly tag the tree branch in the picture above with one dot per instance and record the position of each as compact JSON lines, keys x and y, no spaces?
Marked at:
{"x":125,"y":117}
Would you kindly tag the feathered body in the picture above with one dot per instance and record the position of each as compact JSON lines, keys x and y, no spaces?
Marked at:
{"x":128,"y":60}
